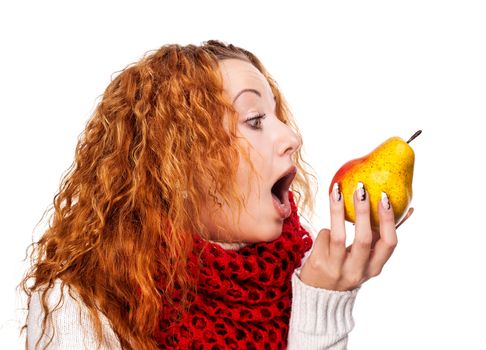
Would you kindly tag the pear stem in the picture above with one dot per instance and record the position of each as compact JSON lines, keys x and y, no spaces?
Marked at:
{"x":414,"y":136}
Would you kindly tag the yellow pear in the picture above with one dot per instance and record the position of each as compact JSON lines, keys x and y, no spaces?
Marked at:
{"x":388,"y":168}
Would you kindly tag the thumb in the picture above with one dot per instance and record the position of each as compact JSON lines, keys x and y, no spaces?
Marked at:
{"x":321,"y":243}
{"x":409,"y":213}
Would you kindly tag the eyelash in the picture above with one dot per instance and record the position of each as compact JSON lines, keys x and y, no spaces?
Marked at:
{"x":258,"y":117}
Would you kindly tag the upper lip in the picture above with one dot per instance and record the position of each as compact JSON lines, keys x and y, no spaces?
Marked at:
{"x":287,"y":176}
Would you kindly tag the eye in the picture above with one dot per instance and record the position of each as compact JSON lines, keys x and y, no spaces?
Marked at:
{"x":255,"y":122}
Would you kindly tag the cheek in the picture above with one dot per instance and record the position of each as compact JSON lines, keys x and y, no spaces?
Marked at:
{"x":250,"y":185}
{"x":243,"y":177}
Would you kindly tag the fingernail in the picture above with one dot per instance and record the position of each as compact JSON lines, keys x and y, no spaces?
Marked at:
{"x":384,"y":201}
{"x":335,"y":192}
{"x":361,"y":191}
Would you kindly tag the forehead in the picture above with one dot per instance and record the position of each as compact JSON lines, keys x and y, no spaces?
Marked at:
{"x":238,"y":74}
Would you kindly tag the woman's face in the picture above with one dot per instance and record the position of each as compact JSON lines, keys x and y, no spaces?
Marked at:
{"x":270,"y":144}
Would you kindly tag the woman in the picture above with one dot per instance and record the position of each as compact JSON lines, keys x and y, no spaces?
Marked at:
{"x":177,"y":228}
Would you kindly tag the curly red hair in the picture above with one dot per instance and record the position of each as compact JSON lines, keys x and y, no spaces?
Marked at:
{"x":126,"y":207}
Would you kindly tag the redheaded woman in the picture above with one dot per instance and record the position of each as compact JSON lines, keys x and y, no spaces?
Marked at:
{"x":177,"y":226}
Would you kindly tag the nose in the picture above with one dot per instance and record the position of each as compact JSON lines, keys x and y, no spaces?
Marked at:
{"x":290,"y":141}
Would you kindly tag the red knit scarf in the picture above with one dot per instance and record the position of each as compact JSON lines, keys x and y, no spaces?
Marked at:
{"x":243,"y":296}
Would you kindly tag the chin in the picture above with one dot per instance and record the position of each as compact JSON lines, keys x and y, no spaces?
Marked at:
{"x":271,"y":234}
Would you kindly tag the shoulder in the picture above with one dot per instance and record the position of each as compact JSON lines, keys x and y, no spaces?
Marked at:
{"x":70,"y":325}
{"x":54,"y":297}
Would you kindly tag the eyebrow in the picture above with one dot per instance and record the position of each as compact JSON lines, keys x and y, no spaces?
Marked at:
{"x":256,"y":92}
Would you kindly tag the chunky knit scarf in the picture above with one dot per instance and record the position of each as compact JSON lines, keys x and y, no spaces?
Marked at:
{"x":243,"y":296}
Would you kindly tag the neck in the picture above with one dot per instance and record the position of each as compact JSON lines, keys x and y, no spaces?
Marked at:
{"x":230,"y":245}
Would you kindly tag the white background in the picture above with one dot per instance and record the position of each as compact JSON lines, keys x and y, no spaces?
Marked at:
{"x":354,"y":73}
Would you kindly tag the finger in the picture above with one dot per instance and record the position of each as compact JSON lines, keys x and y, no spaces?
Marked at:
{"x":375,"y":236}
{"x":337,"y":246}
{"x":409,"y":213}
{"x":388,"y":238}
{"x":360,"y":251}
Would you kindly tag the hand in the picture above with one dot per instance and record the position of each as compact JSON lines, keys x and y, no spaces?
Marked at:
{"x":332,"y":266}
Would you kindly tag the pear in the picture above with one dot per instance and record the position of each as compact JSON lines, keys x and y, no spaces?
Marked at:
{"x":388,"y":168}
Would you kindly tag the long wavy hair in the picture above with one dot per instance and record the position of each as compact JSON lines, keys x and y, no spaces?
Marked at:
{"x":126,"y":207}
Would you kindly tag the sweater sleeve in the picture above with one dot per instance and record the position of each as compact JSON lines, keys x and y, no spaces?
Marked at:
{"x":70,"y":326}
{"x":320,"y":319}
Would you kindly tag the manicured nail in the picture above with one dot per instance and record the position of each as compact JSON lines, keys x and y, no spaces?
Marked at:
{"x":384,"y":201}
{"x":361,"y":191}
{"x":335,"y":192}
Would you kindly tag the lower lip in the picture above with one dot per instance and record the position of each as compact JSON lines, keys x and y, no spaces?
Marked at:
{"x":282,"y":209}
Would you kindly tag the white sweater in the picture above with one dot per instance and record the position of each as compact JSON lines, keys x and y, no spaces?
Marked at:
{"x":320,"y":319}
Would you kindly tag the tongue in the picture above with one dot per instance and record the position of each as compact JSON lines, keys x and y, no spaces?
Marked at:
{"x":282,"y":208}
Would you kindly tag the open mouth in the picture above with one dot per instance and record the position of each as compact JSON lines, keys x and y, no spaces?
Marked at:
{"x":281,"y":188}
